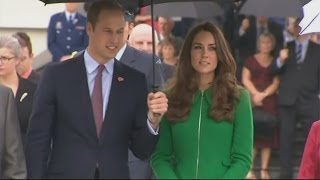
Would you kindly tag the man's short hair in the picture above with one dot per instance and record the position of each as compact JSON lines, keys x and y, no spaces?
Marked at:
{"x":24,"y":40}
{"x":97,"y":6}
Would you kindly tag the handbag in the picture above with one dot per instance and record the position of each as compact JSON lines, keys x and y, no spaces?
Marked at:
{"x":264,"y":123}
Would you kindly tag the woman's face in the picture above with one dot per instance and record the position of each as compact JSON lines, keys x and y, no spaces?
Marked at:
{"x":204,"y":58}
{"x":168,"y":51}
{"x":265,"y":45}
{"x":8,"y":62}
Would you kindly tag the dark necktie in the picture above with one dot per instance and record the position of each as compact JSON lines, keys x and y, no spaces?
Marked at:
{"x":299,"y":53}
{"x":97,"y":100}
{"x":70,"y":19}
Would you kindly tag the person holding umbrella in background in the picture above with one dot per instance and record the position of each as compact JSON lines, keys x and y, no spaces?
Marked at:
{"x":298,"y":67}
{"x":310,"y":163}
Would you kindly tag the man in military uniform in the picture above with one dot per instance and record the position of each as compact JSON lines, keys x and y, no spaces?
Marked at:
{"x":67,"y":33}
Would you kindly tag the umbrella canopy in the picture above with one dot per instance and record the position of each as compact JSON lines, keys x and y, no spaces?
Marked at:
{"x":135,"y":3}
{"x":311,"y":19}
{"x":130,"y":4}
{"x":199,"y":9}
{"x":272,"y":8}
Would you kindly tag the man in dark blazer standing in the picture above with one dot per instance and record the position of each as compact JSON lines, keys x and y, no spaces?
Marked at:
{"x":74,"y":136}
{"x":299,"y":93}
{"x":142,"y":61}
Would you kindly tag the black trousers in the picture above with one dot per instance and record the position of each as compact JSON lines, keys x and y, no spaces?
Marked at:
{"x":289,"y":117}
{"x":96,"y":174}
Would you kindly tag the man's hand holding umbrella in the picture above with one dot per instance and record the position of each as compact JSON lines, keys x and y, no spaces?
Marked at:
{"x":158,"y":105}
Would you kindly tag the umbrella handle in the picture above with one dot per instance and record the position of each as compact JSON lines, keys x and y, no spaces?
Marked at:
{"x":155,"y":88}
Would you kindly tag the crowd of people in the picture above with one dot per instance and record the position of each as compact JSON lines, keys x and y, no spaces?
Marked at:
{"x":106,"y":107}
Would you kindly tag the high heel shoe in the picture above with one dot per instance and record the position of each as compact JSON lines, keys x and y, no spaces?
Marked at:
{"x":264,"y":174}
{"x":251,"y":175}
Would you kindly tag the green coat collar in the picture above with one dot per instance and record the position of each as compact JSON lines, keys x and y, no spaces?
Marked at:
{"x":207,"y":95}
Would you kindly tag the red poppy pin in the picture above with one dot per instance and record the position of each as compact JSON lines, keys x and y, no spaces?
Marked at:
{"x":120,"y":79}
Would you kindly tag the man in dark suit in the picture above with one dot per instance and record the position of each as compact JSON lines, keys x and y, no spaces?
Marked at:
{"x":299,"y":90}
{"x":90,"y":137}
{"x":142,"y":61}
{"x":140,"y":42}
{"x":67,"y":33}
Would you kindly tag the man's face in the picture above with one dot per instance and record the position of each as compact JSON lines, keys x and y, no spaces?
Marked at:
{"x":106,"y":37}
{"x":72,"y":7}
{"x":165,"y":26}
{"x":142,"y":41}
{"x":262,"y":20}
{"x":25,"y":62}
{"x":296,"y":28}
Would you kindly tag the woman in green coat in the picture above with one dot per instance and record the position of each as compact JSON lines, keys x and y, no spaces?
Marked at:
{"x":207,"y":131}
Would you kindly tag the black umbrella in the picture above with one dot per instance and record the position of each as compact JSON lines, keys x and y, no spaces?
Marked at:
{"x":131,"y":4}
{"x":272,"y":8}
{"x":136,"y":3}
{"x":199,"y":9}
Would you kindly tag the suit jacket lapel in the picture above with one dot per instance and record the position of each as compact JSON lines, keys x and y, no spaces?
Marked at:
{"x":115,"y":95}
{"x":82,"y":91}
{"x":128,"y":57}
{"x":21,"y":90}
{"x":309,"y":53}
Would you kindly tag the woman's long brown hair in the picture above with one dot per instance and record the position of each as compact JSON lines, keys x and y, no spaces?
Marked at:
{"x":182,"y":87}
